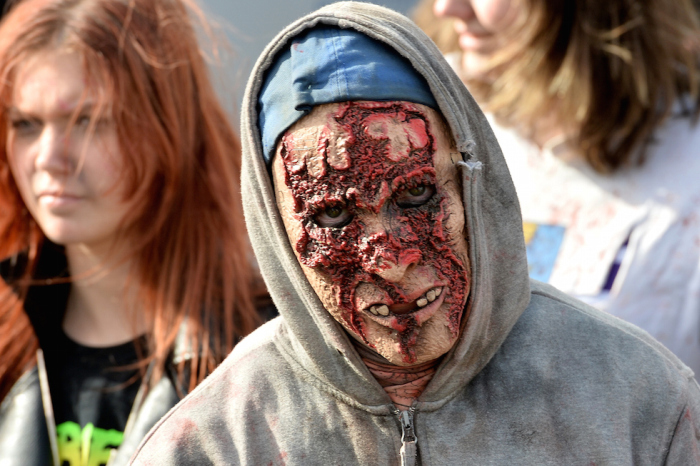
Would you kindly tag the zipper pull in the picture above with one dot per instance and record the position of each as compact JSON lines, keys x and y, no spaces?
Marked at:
{"x":409,"y":442}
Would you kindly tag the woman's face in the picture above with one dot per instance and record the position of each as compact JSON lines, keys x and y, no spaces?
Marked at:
{"x":69,"y":181}
{"x":480,"y":25}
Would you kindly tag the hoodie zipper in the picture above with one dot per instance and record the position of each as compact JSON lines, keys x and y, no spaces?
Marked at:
{"x":409,"y":441}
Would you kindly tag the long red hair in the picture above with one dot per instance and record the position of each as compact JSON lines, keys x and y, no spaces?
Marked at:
{"x":190,"y":251}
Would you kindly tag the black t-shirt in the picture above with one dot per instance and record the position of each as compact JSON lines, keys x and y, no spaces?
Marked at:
{"x":91,"y":403}
{"x":92,"y":396}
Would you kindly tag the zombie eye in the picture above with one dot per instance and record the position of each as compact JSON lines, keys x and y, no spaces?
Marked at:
{"x":415,"y":196}
{"x":333,"y":216}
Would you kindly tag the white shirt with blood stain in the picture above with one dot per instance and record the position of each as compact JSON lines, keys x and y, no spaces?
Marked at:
{"x":588,"y":216}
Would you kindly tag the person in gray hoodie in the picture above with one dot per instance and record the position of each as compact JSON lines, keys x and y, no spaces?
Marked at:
{"x":389,"y":233}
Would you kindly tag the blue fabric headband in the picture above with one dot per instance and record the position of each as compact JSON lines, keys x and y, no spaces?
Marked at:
{"x":329,"y":64}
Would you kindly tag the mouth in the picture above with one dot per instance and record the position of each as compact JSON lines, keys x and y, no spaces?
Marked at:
{"x":470,"y":28}
{"x":475,"y":42}
{"x":422,"y":309}
{"x":57,"y":199}
{"x":59,"y":195}
{"x":473,"y":37}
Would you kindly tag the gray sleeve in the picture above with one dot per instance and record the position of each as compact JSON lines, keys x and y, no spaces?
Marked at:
{"x":175,"y":442}
{"x":195,"y":432}
{"x":685,"y":444}
{"x":158,"y":402}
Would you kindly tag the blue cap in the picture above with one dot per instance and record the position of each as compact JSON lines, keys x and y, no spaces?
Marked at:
{"x":329,"y":64}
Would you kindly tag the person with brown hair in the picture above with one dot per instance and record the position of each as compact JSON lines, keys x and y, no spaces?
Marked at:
{"x":128,"y":275}
{"x":595,"y":105}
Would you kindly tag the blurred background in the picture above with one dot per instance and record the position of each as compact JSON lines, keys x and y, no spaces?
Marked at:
{"x":248,"y":26}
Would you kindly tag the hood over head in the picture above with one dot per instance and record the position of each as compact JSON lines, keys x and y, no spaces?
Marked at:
{"x":500,"y":288}
{"x":326,"y":65}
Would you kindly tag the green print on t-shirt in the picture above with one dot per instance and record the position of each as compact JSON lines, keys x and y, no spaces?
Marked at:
{"x":89,"y":446}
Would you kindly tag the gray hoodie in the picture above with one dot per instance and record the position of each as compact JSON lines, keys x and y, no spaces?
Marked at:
{"x":536,"y":377}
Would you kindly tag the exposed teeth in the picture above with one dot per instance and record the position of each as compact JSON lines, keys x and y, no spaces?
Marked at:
{"x":380,"y":309}
{"x":429,"y":297}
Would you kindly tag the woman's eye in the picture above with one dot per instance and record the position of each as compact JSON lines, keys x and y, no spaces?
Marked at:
{"x":22,"y":125}
{"x":333,"y":216}
{"x":415,"y":196}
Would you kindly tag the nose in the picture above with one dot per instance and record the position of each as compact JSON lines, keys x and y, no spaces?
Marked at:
{"x":461,"y":9}
{"x":384,"y":255}
{"x":394,"y":269}
{"x":53,"y":154}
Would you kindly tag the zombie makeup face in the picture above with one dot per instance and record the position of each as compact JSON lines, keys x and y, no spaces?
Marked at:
{"x":370,"y":197}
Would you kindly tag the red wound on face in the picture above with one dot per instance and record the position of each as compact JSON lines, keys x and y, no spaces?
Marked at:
{"x":364,"y":170}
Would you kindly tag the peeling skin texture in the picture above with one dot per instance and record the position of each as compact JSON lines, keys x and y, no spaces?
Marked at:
{"x":370,"y":198}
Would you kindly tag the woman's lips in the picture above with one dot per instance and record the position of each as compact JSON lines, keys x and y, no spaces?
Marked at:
{"x":57,"y":200}
{"x":475,"y":42}
{"x":421,"y":309}
{"x":473,"y":37}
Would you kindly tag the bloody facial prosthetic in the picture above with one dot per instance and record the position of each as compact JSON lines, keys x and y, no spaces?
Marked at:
{"x":371,"y":200}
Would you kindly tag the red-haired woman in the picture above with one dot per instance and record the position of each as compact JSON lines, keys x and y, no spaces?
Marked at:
{"x":127,"y":276}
